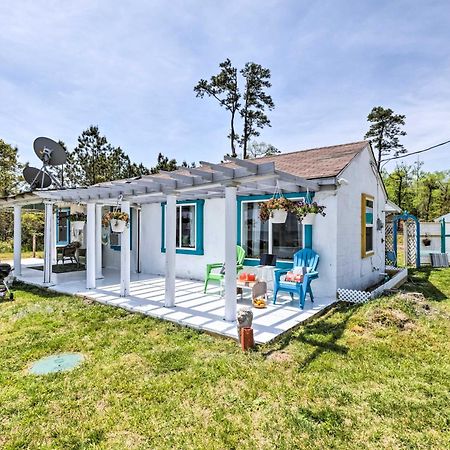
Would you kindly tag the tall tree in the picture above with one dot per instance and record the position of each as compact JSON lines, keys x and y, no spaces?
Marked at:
{"x":9,"y":169}
{"x":385,"y":131}
{"x":94,"y":160}
{"x":88,"y":163}
{"x":255,"y":102}
{"x":398,"y":184}
{"x":168,"y":165}
{"x":224,"y":88}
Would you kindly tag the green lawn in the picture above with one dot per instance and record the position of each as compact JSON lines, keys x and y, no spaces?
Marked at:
{"x":376,"y":376}
{"x":10,"y":256}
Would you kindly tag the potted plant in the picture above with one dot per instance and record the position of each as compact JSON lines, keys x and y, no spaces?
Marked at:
{"x":117,"y":219}
{"x":307,"y":212}
{"x":276,"y":208}
{"x":426,"y":240}
{"x":77,"y":220}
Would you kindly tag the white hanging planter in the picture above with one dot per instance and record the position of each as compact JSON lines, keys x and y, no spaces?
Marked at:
{"x":118,"y":226}
{"x":279,"y":216}
{"x":309,"y":219}
{"x":78,"y":225}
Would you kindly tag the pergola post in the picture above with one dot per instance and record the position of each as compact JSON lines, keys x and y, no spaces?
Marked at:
{"x":230,"y":252}
{"x":98,"y":242}
{"x":54,"y":250}
{"x":171,"y":227}
{"x":48,"y":241}
{"x":17,"y":240}
{"x":125,"y":254}
{"x":90,"y":246}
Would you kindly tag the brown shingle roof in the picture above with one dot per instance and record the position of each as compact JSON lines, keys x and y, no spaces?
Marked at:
{"x":313,"y":163}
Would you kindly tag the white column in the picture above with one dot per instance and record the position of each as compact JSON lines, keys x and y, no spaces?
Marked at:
{"x":125,"y":255}
{"x":17,"y":240}
{"x":90,"y":246}
{"x":54,"y":252}
{"x":98,"y":242}
{"x":171,"y":229}
{"x":48,"y":232}
{"x":230,"y":253}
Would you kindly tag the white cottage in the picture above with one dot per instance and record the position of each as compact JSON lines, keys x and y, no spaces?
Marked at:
{"x":183,"y":220}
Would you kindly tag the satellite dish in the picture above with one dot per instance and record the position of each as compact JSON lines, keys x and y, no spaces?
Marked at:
{"x":36,"y":178}
{"x":49,"y":152}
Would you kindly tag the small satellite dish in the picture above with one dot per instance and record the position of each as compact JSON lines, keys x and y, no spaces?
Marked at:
{"x":36,"y":178}
{"x":49,"y":152}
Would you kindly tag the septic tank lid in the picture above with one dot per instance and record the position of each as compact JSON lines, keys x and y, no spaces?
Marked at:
{"x":56,"y":363}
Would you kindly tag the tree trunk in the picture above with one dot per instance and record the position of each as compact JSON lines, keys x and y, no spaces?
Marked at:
{"x":233,"y":136}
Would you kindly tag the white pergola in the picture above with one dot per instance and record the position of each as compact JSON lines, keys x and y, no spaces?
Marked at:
{"x":226,"y":180}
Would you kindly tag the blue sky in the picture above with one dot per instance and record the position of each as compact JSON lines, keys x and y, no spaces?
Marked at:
{"x":130,"y":68}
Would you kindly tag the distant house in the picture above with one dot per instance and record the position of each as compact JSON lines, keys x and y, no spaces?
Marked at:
{"x":182,"y":220}
{"x":446,"y":218}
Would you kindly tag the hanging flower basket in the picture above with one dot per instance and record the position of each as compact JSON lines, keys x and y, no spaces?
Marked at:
{"x":276,"y":208}
{"x":307,"y":212}
{"x":117,"y":220}
{"x":279,"y":216}
{"x":77,"y":220}
{"x":309,"y":219}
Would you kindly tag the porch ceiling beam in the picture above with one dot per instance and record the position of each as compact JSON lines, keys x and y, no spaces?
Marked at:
{"x":208,"y":176}
{"x":227,"y":171}
{"x":263,"y":168}
{"x":186,"y":179}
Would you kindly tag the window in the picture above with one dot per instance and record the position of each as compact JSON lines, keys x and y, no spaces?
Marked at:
{"x":62,"y":226}
{"x":189,"y":227}
{"x":115,"y":239}
{"x":282,"y":239}
{"x":367,"y":233}
{"x":186,"y":226}
{"x":287,"y":237}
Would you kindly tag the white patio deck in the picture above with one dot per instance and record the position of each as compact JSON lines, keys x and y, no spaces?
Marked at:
{"x":193,"y":308}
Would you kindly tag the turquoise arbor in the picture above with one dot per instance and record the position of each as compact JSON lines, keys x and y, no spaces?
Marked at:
{"x":405,"y":216}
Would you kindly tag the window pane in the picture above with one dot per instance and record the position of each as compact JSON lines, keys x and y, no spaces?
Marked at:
{"x":177,"y":239}
{"x":287,"y":237}
{"x":62,"y":226}
{"x":369,"y":211}
{"x":369,"y":239}
{"x":187,"y":226}
{"x":255,"y":234}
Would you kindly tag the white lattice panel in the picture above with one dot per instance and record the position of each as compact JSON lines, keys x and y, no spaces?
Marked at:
{"x":353,"y":296}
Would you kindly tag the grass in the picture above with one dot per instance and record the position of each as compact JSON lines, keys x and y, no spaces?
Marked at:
{"x":375,"y":376}
{"x":10,"y":256}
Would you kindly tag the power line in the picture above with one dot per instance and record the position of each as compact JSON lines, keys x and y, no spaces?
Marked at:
{"x":414,"y":153}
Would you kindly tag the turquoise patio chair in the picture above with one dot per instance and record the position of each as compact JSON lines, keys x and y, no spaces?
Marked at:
{"x":218,"y":276}
{"x":303,"y":258}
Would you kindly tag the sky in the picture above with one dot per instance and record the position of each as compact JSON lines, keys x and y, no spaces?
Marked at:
{"x":130,"y":68}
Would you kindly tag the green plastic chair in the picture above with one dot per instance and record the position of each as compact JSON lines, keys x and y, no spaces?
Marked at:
{"x":240,"y":256}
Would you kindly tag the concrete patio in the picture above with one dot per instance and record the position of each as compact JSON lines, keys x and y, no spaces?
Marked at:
{"x":192,"y":307}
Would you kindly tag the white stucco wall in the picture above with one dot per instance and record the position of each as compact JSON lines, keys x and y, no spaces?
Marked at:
{"x":111,"y":257}
{"x":187,"y":266}
{"x":325,"y":244}
{"x":353,"y":271}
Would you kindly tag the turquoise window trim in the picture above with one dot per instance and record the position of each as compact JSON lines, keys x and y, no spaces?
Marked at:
{"x":116,"y":248}
{"x":58,"y":240}
{"x":199,"y":230}
{"x":307,"y":232}
{"x":307,"y":238}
